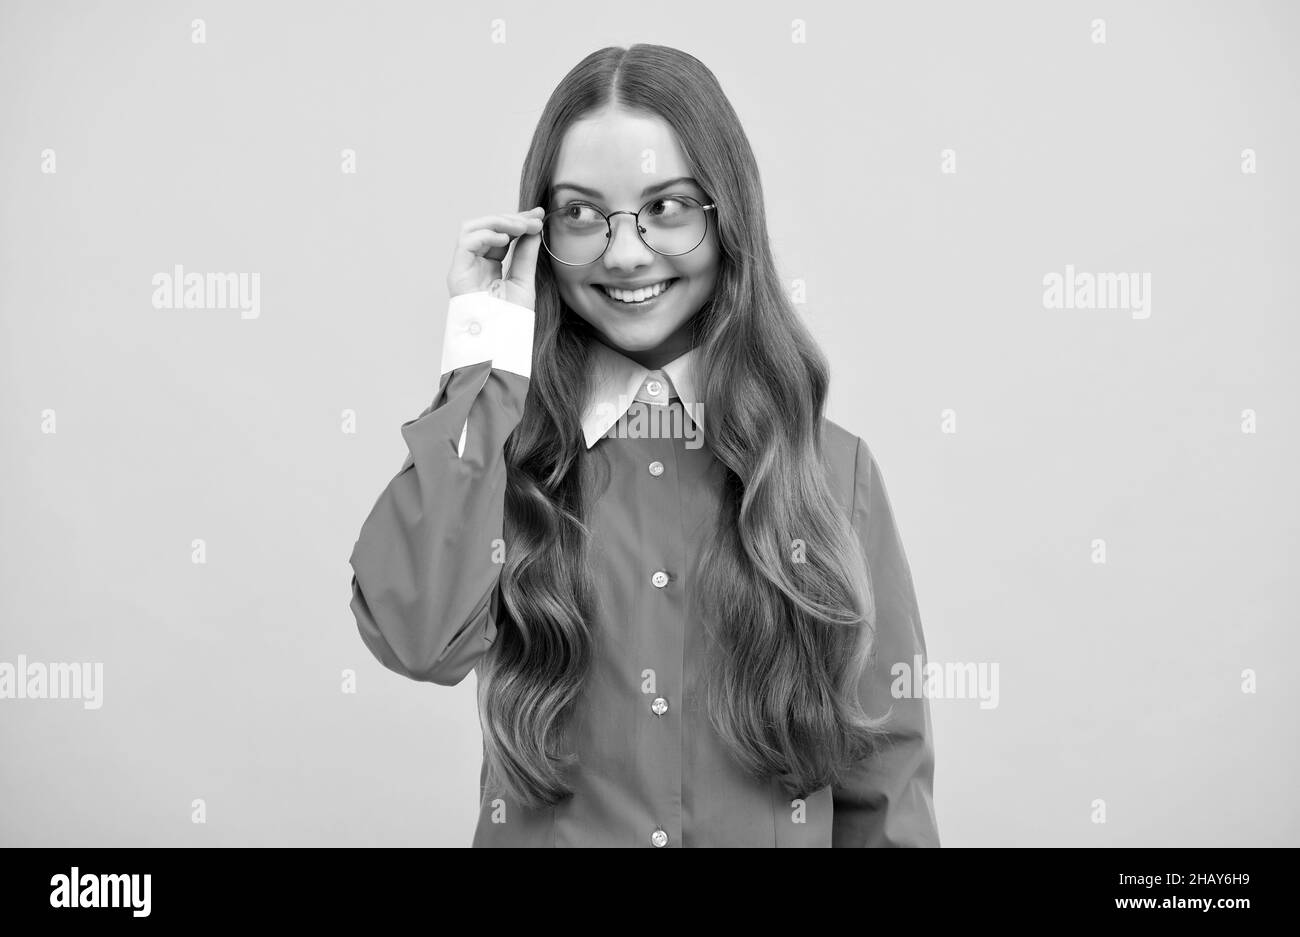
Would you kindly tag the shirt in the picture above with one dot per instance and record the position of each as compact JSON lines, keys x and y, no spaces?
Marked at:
{"x":651,"y":770}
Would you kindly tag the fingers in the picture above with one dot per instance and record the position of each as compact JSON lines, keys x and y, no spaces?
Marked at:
{"x":523,"y":263}
{"x":514,"y":225}
{"x":484,"y":242}
{"x":478,"y":242}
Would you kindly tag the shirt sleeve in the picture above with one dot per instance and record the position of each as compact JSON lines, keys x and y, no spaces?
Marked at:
{"x":428,"y":558}
{"x":888,"y":800}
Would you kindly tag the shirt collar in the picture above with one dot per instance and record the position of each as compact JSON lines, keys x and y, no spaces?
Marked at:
{"x":617,"y":380}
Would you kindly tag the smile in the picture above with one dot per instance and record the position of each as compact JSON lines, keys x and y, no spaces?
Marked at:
{"x":637,"y":297}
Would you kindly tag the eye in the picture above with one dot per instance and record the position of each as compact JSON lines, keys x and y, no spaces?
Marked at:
{"x":579,"y":214}
{"x":668,"y":207}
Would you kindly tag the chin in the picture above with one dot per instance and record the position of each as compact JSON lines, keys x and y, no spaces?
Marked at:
{"x":632,"y":338}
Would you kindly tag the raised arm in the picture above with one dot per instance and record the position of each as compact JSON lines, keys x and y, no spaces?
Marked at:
{"x":428,"y":559}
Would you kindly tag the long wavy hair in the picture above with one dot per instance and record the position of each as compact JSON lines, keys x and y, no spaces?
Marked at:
{"x":788,"y":604}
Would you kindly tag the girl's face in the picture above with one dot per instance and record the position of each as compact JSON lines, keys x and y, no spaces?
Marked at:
{"x":619,"y":160}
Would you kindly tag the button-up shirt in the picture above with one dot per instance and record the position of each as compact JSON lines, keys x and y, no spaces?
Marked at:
{"x":651,"y":770}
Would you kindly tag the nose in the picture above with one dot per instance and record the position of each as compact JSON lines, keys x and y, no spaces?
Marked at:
{"x":626,"y":250}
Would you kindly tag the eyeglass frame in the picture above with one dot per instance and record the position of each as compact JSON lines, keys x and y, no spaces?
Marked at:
{"x":636,"y":219}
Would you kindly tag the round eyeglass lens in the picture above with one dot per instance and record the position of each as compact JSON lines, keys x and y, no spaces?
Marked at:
{"x":577,"y":233}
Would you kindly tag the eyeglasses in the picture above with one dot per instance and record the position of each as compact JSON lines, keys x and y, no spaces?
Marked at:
{"x":579,"y":233}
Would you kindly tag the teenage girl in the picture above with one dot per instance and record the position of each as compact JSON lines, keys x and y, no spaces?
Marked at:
{"x":680,"y":586}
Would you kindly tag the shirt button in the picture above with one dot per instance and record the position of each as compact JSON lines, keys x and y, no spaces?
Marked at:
{"x":654,"y":388}
{"x":475,"y":328}
{"x":656,"y":469}
{"x":659,"y":838}
{"x":659,"y":579}
{"x":659,"y":706}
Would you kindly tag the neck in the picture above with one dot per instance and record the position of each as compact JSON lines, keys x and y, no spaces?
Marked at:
{"x":674,"y":346}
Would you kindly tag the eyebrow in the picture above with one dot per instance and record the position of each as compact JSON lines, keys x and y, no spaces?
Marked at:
{"x":592,"y":193}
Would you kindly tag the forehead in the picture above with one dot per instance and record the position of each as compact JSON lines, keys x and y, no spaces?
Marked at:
{"x":619,"y":153}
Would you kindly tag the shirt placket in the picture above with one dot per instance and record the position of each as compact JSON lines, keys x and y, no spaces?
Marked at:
{"x":663,"y":618}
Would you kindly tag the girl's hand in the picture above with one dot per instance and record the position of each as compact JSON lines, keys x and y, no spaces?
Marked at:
{"x":483,"y":244}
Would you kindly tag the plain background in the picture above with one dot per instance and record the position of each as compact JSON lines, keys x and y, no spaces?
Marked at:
{"x":1120,"y":682}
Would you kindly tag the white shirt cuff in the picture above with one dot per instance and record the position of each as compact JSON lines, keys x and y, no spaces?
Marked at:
{"x":483,"y":327}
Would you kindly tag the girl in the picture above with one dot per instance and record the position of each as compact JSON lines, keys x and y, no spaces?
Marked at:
{"x":681,"y":587}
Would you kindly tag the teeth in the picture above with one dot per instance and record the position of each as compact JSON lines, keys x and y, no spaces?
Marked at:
{"x":636,"y":296}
